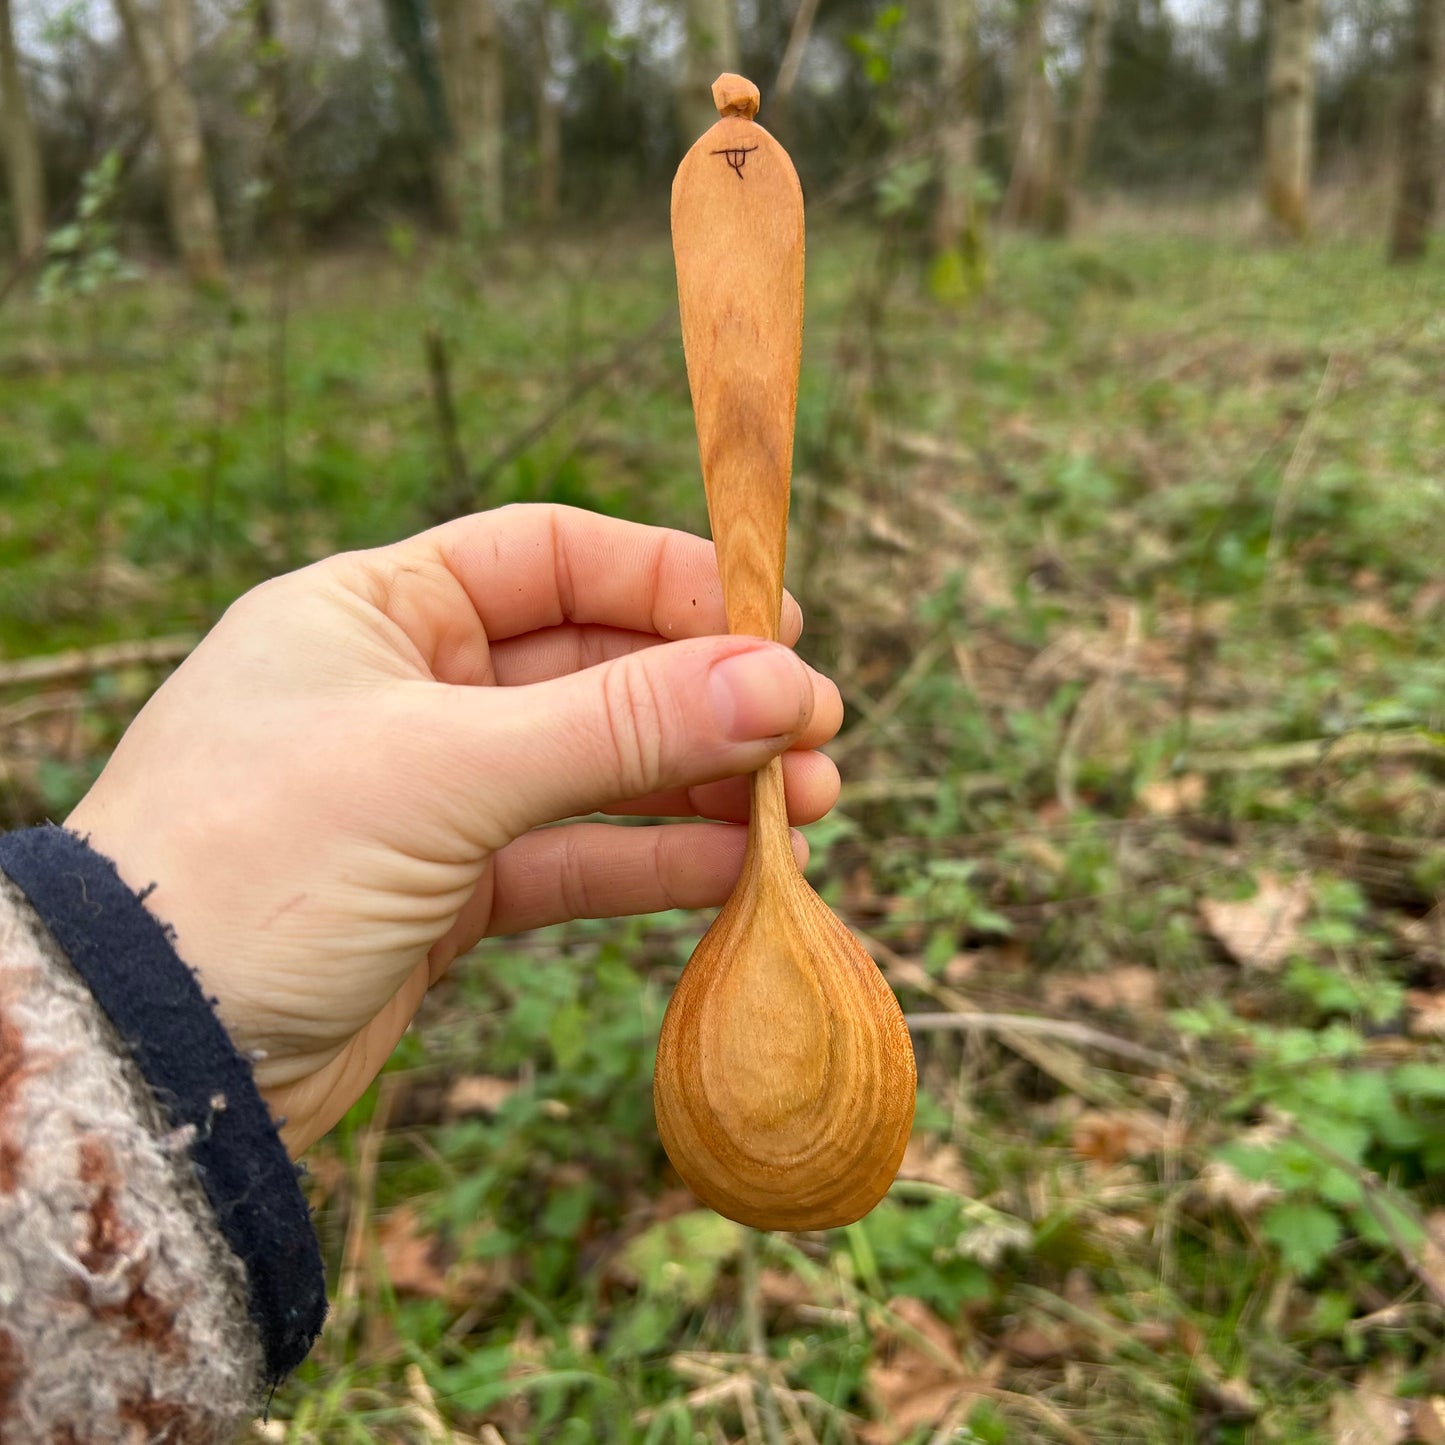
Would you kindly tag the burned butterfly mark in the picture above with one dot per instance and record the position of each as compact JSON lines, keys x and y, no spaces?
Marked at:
{"x":737,"y":157}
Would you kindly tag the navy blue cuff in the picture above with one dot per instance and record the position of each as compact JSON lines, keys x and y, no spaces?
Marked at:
{"x":156,"y":1005}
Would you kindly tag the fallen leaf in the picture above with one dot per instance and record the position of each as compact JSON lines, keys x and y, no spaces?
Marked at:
{"x":478,"y":1094}
{"x":412,"y":1259}
{"x":1168,"y":797}
{"x":1232,"y":1397}
{"x":1219,"y":1184}
{"x":1109,"y":1136}
{"x":1262,"y":931}
{"x":1130,"y":988}
{"x":781,"y":1289}
{"x":1427,"y":1420}
{"x":1427,"y":1013}
{"x":1371,"y":1413}
{"x":933,"y":1162}
{"x":1429,"y":1260}
{"x":961,"y":968}
{"x":917,"y":1377}
{"x":1040,"y":1344}
{"x":1430,"y":598}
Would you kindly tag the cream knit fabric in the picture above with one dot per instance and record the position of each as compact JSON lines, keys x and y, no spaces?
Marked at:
{"x":123,"y":1312}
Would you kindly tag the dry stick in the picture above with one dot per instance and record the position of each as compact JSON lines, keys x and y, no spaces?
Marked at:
{"x":1065,"y":1029}
{"x":1295,"y":469}
{"x":41,"y":705}
{"x":618,"y":362}
{"x":877,"y":716}
{"x":897,"y":1325}
{"x":757,"y":1339}
{"x":793,"y":54}
{"x":1316,"y":752}
{"x":1275,"y":757}
{"x":1056,"y":1063}
{"x":1098,"y":699}
{"x":343,"y":1317}
{"x":82,"y":662}
{"x":211,"y":477}
{"x":459,"y":494}
{"x":914,"y":790}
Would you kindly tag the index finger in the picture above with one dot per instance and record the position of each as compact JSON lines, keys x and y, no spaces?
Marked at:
{"x":527,"y":567}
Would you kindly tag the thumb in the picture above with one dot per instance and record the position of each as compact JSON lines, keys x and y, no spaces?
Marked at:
{"x":665,"y":717}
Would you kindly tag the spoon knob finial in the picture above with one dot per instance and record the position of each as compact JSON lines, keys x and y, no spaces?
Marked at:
{"x":735,"y":95}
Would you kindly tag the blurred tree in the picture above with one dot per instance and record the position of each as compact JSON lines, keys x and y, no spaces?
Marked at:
{"x":1290,"y":113}
{"x":712,"y":48}
{"x":162,"y":47}
{"x":549,"y":118}
{"x":958,"y":242}
{"x":22,"y":151}
{"x":271,"y":67}
{"x":1087,"y":105}
{"x":1033,"y":120}
{"x":472,"y":167}
{"x":1422,"y":134}
{"x":792,"y":59}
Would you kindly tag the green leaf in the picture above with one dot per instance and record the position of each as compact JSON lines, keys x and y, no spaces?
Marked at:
{"x":567,"y":1210}
{"x":1304,"y":1234}
{"x":567,"y":1035}
{"x":681,"y":1257}
{"x":1420,"y":1081}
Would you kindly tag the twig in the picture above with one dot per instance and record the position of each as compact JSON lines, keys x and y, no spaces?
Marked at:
{"x":1296,"y":467}
{"x":458,"y":496}
{"x":1315,"y":752}
{"x":1097,"y":701}
{"x":1056,"y":1063}
{"x":424,"y":1410}
{"x":793,"y":53}
{"x":1065,"y":1029}
{"x":348,"y":1290}
{"x":84,"y":662}
{"x":914,"y":790}
{"x":211,"y":476}
{"x":877,"y":716}
{"x":621,"y":359}
{"x":43,"y":704}
{"x":757,"y":1342}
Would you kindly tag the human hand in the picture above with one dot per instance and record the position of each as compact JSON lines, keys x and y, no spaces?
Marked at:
{"x":346,"y":785}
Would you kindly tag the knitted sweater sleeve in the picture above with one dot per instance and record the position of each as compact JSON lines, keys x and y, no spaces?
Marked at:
{"x":138,"y":1290}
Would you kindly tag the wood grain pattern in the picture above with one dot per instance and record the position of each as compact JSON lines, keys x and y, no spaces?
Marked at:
{"x":785,"y":1076}
{"x":737,"y":227}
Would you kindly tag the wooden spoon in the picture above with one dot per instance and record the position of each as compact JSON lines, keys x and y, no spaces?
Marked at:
{"x":785,"y":1077}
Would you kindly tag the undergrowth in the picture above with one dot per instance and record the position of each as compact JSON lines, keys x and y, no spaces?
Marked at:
{"x":1131,"y":572}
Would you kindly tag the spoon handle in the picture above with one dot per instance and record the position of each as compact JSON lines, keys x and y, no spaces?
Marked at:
{"x":737,"y":236}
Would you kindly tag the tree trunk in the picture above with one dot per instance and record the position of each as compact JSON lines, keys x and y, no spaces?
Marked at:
{"x":162,"y":51}
{"x":1290,"y":113}
{"x":712,"y":48}
{"x":549,"y":123}
{"x":471,"y":65}
{"x":1085,"y":119}
{"x":22,"y":150}
{"x":792,"y":62}
{"x":956,"y":221}
{"x":1422,"y":134}
{"x":1026,"y":202}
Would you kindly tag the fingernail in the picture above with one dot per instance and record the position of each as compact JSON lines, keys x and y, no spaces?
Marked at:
{"x":758,"y":694}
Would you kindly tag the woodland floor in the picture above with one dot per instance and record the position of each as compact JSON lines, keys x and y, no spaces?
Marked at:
{"x":1132,"y":570}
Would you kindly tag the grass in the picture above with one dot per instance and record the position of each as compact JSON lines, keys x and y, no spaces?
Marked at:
{"x":1131,"y":573}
